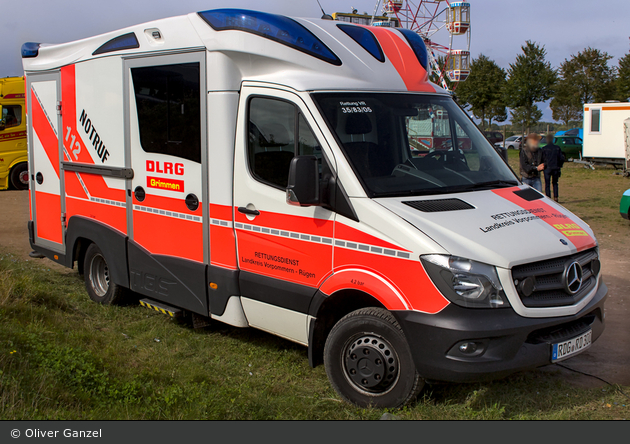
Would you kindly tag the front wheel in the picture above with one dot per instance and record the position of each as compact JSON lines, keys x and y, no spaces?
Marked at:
{"x":368,"y":360}
{"x":19,"y":176}
{"x":98,"y":281}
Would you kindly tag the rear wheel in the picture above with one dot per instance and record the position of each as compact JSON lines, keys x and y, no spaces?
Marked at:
{"x":98,"y":281}
{"x":368,"y":360}
{"x":19,"y":176}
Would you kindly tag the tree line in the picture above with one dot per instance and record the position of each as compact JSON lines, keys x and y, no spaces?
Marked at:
{"x":585,"y":77}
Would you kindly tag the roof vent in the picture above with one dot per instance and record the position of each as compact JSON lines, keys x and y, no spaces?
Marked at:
{"x":439,"y":205}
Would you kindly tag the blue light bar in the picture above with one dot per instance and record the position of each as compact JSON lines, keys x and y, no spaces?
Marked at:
{"x":417,"y":44}
{"x":125,"y":41}
{"x":366,"y":39}
{"x":30,"y":49}
{"x":271,"y":26}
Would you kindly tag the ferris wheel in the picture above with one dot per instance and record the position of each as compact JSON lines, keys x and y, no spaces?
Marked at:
{"x":428,"y":18}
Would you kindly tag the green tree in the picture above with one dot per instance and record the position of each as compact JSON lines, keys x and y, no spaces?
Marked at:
{"x":564,"y":106}
{"x":530,"y":79}
{"x":482,"y":92}
{"x":587,"y":77}
{"x":498,"y":112}
{"x":623,"y":78}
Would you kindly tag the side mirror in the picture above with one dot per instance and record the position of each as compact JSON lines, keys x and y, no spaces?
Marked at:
{"x":303,"y":186}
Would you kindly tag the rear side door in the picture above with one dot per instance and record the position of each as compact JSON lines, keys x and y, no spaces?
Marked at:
{"x":284,"y":251}
{"x":46,"y":155}
{"x":167,"y":199}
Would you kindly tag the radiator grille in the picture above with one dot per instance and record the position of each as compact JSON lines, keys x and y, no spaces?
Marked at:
{"x":549,"y":279}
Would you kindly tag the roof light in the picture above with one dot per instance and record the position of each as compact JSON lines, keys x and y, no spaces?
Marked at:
{"x":417,"y":44}
{"x":366,"y":39}
{"x":271,"y":26}
{"x":30,"y":49}
{"x":125,"y":41}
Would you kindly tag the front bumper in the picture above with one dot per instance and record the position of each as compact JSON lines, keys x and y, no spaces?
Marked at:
{"x":509,"y":342}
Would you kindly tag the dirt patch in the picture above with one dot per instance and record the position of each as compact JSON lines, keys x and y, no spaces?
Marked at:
{"x":608,"y":358}
{"x":14,"y":216}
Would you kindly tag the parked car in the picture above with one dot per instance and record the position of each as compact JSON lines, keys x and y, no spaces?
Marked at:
{"x":624,"y":205}
{"x":513,"y":142}
{"x":571,"y":146}
{"x":494,"y":137}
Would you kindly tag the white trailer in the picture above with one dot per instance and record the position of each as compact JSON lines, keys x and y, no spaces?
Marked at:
{"x":604,"y":133}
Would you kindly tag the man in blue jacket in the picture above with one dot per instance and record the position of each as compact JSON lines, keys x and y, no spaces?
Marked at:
{"x":553,"y":160}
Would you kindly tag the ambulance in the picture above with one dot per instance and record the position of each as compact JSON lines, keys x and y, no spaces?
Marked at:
{"x":13,"y":155}
{"x":256,"y":170}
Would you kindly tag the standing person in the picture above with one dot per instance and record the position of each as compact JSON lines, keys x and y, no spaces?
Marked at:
{"x":531,"y":162}
{"x":553,"y":160}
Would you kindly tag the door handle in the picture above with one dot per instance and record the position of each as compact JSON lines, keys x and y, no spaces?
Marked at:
{"x":246,"y":210}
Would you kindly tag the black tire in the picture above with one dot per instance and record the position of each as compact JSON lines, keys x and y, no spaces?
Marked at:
{"x":371,"y":338}
{"x":98,"y":284}
{"x":19,"y":176}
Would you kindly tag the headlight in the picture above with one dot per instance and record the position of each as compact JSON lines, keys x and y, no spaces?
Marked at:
{"x":465,"y":282}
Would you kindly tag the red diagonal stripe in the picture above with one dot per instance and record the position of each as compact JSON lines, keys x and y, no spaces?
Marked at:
{"x":45,"y":132}
{"x":555,"y":218}
{"x":400,"y":54}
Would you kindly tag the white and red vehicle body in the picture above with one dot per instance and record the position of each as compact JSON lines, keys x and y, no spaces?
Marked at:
{"x":207,"y":236}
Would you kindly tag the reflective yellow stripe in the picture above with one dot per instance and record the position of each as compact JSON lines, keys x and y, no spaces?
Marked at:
{"x":158,"y":309}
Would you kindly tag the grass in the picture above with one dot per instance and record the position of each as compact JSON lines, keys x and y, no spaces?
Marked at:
{"x":65,"y":357}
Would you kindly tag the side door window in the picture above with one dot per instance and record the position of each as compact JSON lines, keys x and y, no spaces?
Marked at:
{"x":167,"y":102}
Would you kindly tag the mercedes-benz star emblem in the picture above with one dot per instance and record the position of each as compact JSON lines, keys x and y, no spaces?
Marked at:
{"x":573,"y":279}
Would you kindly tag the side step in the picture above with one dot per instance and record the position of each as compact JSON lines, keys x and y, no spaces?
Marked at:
{"x":162,"y":308}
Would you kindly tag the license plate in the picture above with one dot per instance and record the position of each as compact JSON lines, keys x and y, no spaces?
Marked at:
{"x":563,"y":350}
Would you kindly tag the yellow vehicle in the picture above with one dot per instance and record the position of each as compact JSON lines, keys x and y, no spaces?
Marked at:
{"x":13,"y":154}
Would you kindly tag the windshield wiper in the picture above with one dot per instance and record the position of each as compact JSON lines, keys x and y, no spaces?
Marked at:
{"x":491,"y":184}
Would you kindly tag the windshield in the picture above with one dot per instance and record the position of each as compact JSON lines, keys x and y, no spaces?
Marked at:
{"x":412,"y":144}
{"x":511,"y":139}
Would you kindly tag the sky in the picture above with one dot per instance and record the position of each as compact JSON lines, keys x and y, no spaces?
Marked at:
{"x":498,"y":27}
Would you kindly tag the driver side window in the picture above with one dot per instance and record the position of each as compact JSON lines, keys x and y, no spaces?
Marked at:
{"x":11,"y":116}
{"x":277,"y":132}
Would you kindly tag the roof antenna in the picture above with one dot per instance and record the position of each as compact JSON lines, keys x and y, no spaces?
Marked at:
{"x":324,"y":15}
